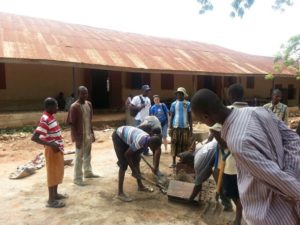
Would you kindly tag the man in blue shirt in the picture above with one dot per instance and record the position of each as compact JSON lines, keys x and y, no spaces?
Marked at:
{"x":161,"y":111}
{"x":129,"y":143}
{"x":181,"y":126}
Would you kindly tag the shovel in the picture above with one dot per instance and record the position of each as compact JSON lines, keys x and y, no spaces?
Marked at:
{"x":158,"y":184}
{"x":221,"y":172}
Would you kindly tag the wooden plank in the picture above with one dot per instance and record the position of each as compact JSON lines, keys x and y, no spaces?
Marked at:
{"x":179,"y":190}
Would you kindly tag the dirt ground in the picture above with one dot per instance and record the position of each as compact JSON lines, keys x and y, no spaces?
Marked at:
{"x":23,"y":201}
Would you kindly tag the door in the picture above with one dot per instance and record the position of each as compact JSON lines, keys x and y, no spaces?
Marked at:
{"x":99,"y":89}
{"x":115,"y":92}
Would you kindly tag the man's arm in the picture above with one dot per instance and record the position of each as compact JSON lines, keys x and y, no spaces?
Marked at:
{"x":190,"y":121}
{"x":91,"y":125}
{"x":197,"y":189}
{"x":267,"y":171}
{"x":36,"y":138}
{"x":171,"y":120}
{"x":156,"y":160}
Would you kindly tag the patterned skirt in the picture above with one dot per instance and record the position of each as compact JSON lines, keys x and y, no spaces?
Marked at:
{"x":180,"y":140}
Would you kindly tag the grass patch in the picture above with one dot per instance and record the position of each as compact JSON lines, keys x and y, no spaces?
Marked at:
{"x":25,"y":129}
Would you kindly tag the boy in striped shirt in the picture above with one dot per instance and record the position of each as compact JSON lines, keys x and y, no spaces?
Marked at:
{"x":181,"y":126}
{"x":48,"y":133}
{"x":129,"y":142}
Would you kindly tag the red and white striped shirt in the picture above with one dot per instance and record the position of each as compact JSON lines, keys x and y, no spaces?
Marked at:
{"x":267,"y":155}
{"x":50,"y":130}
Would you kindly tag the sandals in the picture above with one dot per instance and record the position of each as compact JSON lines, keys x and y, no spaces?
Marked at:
{"x":55,"y":204}
{"x":125,"y":198}
{"x":146,"y":189}
{"x":61,"y":196}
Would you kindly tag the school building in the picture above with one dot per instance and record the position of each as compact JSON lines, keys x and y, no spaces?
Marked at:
{"x":40,"y":58}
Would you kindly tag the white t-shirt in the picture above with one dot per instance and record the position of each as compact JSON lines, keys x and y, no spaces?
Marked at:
{"x":230,"y":164}
{"x":136,"y":101}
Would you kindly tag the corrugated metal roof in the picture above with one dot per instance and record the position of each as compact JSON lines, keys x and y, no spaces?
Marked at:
{"x":46,"y":41}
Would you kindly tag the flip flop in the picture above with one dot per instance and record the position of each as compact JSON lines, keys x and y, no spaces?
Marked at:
{"x":61,"y":196}
{"x":146,"y":189}
{"x":125,"y":198}
{"x":55,"y":204}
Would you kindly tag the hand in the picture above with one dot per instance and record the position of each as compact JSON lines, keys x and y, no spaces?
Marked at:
{"x":55,"y":146}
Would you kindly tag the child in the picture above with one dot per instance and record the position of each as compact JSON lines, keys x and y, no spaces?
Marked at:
{"x":181,"y":126}
{"x":129,"y":142}
{"x":48,"y":133}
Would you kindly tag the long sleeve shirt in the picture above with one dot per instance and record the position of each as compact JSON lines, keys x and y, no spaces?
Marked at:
{"x":280,"y":110}
{"x":267,"y":155}
{"x":80,"y":119}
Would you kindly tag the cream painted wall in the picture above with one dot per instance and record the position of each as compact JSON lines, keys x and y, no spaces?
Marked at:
{"x":263,"y":87}
{"x":27,"y":84}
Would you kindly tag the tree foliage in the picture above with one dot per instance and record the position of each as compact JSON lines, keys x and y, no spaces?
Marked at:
{"x":289,"y":55}
{"x":239,"y":6}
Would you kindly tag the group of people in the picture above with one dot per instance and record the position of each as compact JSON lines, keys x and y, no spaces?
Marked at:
{"x":64,"y":104}
{"x":260,"y":152}
{"x":177,"y":120}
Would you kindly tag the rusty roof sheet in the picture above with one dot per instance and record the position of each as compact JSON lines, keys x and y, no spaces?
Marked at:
{"x":45,"y":41}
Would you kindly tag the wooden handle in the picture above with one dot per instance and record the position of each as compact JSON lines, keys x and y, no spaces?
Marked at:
{"x":148,"y":164}
{"x":220,"y":177}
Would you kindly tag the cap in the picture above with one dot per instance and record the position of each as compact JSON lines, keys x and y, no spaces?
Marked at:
{"x":146,"y":87}
{"x":155,"y":96}
{"x":216,"y":127}
{"x":182,"y":90}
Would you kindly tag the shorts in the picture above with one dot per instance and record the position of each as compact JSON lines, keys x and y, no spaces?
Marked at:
{"x":164,"y":130}
{"x":54,"y":165}
{"x":120,"y":148}
{"x":230,"y":186}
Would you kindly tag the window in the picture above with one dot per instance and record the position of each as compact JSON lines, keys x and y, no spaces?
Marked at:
{"x":291,"y":91}
{"x":2,"y":76}
{"x":229,"y":81}
{"x":167,"y":81}
{"x":250,"y":82}
{"x":137,"y":80}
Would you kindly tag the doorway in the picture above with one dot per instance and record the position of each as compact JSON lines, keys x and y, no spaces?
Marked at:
{"x":105,"y":88}
{"x":99,"y":89}
{"x":213,"y":83}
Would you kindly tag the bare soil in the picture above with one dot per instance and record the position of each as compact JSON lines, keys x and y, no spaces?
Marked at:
{"x":23,"y":201}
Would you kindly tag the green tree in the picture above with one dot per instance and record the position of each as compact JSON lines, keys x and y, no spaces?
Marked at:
{"x":239,"y":6}
{"x":289,"y":55}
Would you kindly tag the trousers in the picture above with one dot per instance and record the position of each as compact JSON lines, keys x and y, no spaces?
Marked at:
{"x":83,"y":156}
